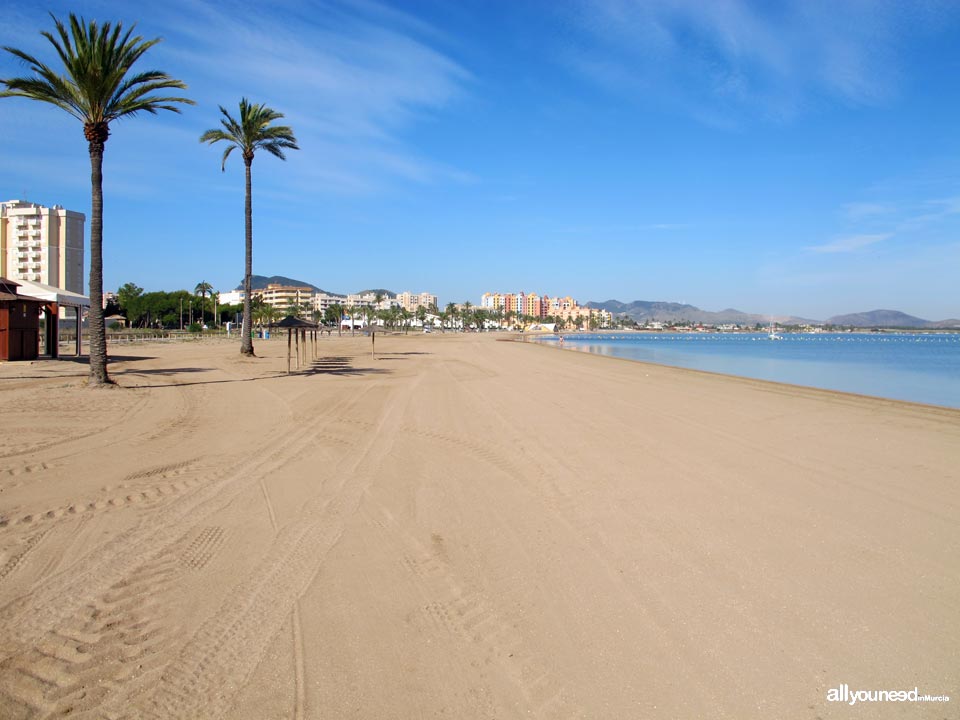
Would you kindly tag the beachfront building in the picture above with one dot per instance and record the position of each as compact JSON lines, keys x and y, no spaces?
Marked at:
{"x":492,"y":301}
{"x":532,"y":305}
{"x":411,"y":301}
{"x":283,"y":298}
{"x":324,"y":301}
{"x":42,"y":244}
{"x":231,"y":297}
{"x":369,"y":299}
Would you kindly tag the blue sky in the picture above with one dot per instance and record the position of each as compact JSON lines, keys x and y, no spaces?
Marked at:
{"x":785,"y":158}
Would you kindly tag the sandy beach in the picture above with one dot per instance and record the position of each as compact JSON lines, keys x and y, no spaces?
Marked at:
{"x":467,"y":528}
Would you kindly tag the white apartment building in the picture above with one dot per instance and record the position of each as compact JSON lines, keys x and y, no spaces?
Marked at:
{"x":411,"y":301}
{"x":369,"y":299}
{"x":231,"y":297}
{"x":323,"y":301}
{"x":286,"y":297}
{"x":42,"y":244}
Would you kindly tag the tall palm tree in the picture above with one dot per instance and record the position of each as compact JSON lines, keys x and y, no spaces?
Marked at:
{"x":250,"y":132}
{"x":202,"y":288}
{"x":94,"y":87}
{"x":452,"y":314}
{"x":215,"y":301}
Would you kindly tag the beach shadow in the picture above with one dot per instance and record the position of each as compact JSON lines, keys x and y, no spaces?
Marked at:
{"x":337,"y":365}
{"x":85,"y":359}
{"x":163,"y":371}
{"x":333,"y":365}
{"x":47,"y":362}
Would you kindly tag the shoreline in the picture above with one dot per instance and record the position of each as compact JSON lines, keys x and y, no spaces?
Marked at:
{"x":715,"y":373}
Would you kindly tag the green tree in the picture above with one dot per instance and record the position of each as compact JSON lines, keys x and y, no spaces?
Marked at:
{"x":452,"y":314}
{"x":95,"y":88}
{"x":480,"y":318}
{"x":264,"y":314}
{"x":215,"y":303}
{"x":334,"y":314}
{"x":250,"y":132}
{"x":129,"y":299}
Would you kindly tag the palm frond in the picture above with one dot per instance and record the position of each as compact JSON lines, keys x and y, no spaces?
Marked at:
{"x":250,"y":131}
{"x":96,"y":85}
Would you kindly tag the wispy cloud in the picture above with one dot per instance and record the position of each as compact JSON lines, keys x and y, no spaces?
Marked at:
{"x":352,"y":78}
{"x":850,"y":243}
{"x":900,"y":218}
{"x":879,"y":222}
{"x":861,"y":210}
{"x":932,"y":212}
{"x":622,"y":229}
{"x":724,"y":60}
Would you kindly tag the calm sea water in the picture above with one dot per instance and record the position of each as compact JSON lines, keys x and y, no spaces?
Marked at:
{"x":921,"y":368}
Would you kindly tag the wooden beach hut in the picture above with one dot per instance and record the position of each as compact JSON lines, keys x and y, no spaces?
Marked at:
{"x":19,"y":323}
{"x":52,"y":299}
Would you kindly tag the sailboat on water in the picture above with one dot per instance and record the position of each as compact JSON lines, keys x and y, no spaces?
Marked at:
{"x":774,"y":335}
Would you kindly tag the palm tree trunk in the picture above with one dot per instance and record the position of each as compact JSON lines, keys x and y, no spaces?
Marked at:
{"x":98,"y":335}
{"x":246,"y":341}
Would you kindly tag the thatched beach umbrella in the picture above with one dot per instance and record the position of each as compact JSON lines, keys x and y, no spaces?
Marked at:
{"x":292,"y":323}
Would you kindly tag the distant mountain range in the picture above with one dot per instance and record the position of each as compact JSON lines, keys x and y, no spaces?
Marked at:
{"x":385,"y":293}
{"x":645,"y":310}
{"x":890,"y":318}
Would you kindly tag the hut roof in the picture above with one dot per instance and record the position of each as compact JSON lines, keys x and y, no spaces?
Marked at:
{"x":293,"y":322}
{"x":8,"y":286}
{"x":49,"y":293}
{"x":8,"y":292}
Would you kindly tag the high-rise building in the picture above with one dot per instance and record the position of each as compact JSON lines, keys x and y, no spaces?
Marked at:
{"x":295,"y":299}
{"x":324,"y":301}
{"x":411,"y":301}
{"x":42,"y":244}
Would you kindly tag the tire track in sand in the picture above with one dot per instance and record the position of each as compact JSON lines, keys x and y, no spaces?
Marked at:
{"x":219,"y":656}
{"x":455,"y":606}
{"x":75,"y":600}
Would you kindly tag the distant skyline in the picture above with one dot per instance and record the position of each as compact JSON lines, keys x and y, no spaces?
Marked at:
{"x":795,"y":158}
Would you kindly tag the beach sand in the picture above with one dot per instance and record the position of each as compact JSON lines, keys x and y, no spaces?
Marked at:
{"x":466,"y":528}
